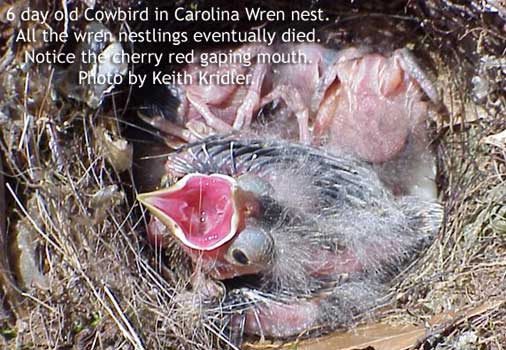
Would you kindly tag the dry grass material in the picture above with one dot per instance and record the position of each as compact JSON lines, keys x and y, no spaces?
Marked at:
{"x":80,"y":274}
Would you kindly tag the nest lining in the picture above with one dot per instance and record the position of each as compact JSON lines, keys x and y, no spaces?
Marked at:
{"x":98,"y":284}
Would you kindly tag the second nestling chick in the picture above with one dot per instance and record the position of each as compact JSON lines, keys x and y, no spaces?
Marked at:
{"x":320,"y":233}
{"x":348,"y":100}
{"x":370,"y":105}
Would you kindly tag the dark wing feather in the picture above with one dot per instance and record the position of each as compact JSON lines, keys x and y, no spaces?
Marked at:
{"x":333,"y":176}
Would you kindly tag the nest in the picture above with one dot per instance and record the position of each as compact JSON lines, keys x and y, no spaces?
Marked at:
{"x":77,"y":273}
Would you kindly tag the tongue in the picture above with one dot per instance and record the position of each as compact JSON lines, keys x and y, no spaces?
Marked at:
{"x":199,"y":209}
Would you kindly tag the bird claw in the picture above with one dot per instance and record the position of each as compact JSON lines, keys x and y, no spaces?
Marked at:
{"x":293,"y":100}
{"x":410,"y":66}
{"x":198,"y":129}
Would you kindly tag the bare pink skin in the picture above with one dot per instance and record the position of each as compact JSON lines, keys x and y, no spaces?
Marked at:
{"x":209,"y":108}
{"x":224,"y":108}
{"x":371,"y":109}
{"x":281,"y":320}
{"x":295,"y":84}
{"x":349,"y":100}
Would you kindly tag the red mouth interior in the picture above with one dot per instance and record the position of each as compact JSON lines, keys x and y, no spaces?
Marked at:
{"x":203,"y":209}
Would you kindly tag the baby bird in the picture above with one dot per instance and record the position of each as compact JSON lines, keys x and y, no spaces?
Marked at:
{"x":309,"y":240}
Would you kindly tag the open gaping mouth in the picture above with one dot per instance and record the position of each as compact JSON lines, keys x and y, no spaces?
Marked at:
{"x":199,"y":209}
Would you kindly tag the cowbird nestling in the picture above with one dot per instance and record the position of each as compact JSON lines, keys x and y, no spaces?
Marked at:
{"x":318,"y":235}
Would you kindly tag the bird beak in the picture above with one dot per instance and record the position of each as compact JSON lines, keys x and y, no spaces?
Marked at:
{"x":200,"y":210}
